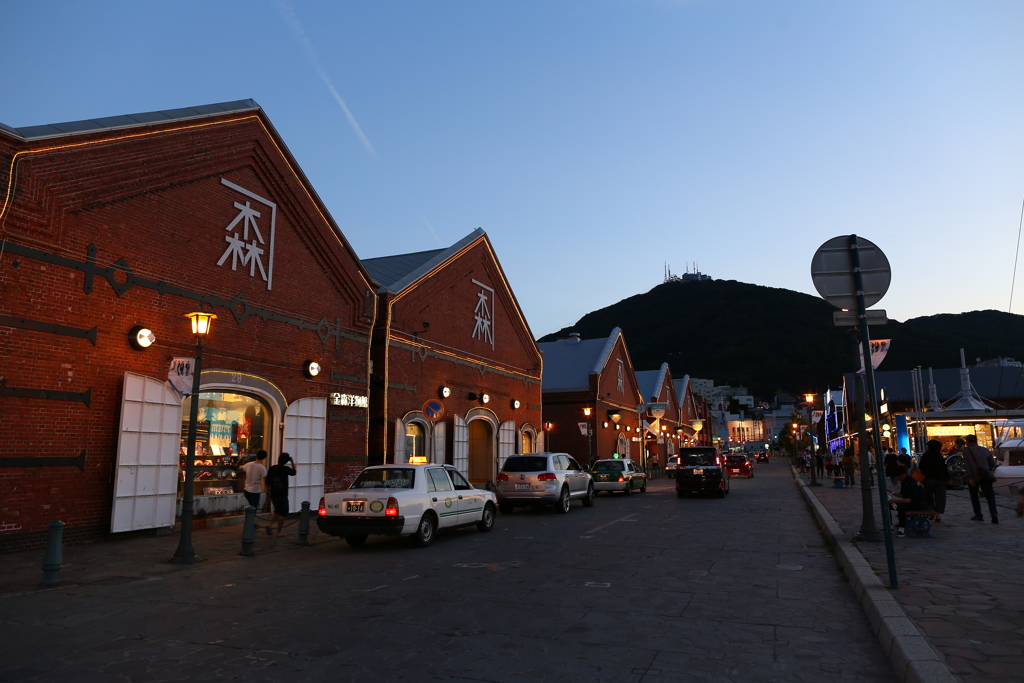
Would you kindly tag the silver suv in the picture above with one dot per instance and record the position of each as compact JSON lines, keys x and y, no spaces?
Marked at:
{"x":543,"y":478}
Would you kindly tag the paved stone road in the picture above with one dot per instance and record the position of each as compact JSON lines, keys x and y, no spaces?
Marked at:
{"x":645,"y":588}
{"x":961,"y":588}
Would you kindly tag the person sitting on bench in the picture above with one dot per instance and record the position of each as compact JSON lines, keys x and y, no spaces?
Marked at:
{"x":910,"y":498}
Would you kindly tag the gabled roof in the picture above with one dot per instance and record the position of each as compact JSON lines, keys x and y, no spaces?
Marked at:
{"x":29,"y":133}
{"x":651,"y":381}
{"x":395,"y":273}
{"x":568,"y":363}
{"x":681,"y":386}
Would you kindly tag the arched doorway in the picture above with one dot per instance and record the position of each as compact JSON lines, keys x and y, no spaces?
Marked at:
{"x":481,"y":452}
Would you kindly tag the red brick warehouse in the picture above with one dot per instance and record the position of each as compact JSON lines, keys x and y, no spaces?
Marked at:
{"x":461,"y":369}
{"x":133,"y":221}
{"x":590,"y":386}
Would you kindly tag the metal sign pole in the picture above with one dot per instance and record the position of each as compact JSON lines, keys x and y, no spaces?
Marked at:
{"x":869,"y":375}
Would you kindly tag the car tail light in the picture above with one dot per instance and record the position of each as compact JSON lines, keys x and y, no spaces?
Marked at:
{"x":502,"y":477}
{"x":547,"y":476}
{"x":622,"y":478}
{"x":720,"y":485}
{"x":677,"y":484}
{"x":322,"y":510}
{"x":392,"y":509}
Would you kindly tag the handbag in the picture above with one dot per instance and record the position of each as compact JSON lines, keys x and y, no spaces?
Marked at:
{"x":985,"y":476}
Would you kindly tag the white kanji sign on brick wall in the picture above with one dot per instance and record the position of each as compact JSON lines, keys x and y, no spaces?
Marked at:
{"x":247,"y":245}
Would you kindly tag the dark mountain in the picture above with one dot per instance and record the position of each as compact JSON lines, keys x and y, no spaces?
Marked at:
{"x":773,"y":340}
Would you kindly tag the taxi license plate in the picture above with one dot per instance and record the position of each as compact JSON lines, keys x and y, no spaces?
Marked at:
{"x":355,"y":505}
{"x":698,"y":471}
{"x":522,"y":487}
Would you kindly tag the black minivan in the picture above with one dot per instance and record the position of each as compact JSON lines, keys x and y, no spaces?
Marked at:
{"x":701,"y":470}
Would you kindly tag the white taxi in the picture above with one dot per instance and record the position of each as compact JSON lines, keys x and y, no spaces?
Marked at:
{"x":405,"y":500}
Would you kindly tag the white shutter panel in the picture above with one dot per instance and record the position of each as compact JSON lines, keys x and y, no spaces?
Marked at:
{"x":461,"y":446}
{"x":506,"y":441}
{"x":305,"y":438}
{"x":539,"y":448}
{"x":146,"y":490}
{"x":439,"y":443}
{"x":400,"y":456}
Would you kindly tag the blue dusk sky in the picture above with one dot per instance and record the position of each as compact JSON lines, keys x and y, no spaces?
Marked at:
{"x":597,"y":140}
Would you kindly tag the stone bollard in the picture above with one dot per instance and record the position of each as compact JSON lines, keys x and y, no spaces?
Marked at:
{"x":54,"y":556}
{"x":249,"y":532}
{"x":304,"y":524}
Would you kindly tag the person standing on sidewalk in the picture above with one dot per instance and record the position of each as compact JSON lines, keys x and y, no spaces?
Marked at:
{"x":980,"y":465}
{"x":819,"y":464}
{"x":254,"y":473}
{"x":890,"y":463}
{"x":936,"y":475}
{"x":277,"y":489}
{"x":848,"y":464}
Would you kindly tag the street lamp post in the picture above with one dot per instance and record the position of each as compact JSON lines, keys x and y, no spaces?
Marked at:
{"x":586,"y":414}
{"x":185,"y":554}
{"x":809,"y":399}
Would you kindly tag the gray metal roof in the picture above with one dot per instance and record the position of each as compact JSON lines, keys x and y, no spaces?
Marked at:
{"x":650,"y":381}
{"x":998,"y":383}
{"x":395,"y":273}
{"x":680,"y":387}
{"x":568,"y":363}
{"x":128,"y":120}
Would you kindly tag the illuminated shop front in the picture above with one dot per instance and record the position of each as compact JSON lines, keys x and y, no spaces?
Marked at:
{"x":231,"y":428}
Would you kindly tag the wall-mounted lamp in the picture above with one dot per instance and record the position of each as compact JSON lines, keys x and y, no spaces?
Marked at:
{"x":614,"y":416}
{"x":444,"y":392}
{"x":479,"y":396}
{"x":141,"y":337}
{"x":604,"y":424}
{"x":587,"y":411}
{"x":515,"y":404}
{"x":310,"y":369}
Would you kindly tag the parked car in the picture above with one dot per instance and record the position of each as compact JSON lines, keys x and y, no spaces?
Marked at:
{"x":762,"y":457}
{"x":701,"y":471}
{"x":618,"y":475}
{"x":739,"y":465}
{"x":543,"y":479}
{"x":405,"y":500}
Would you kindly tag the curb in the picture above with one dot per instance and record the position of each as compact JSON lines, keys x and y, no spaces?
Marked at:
{"x":908,"y":650}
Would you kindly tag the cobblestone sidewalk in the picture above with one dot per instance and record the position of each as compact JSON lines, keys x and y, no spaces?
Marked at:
{"x":961,"y":588}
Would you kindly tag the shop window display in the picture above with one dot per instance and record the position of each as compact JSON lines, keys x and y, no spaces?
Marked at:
{"x":414,"y":440}
{"x":230,"y":430}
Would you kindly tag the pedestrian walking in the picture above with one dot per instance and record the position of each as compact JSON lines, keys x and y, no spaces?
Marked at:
{"x":980,"y":468}
{"x":936,"y":476}
{"x":254,"y":473}
{"x":910,"y":498}
{"x":848,"y":465}
{"x":277,"y":489}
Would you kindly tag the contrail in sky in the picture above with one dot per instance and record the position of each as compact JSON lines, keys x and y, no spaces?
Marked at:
{"x":288,"y":14}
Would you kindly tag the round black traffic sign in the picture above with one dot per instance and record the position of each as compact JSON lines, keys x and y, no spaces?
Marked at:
{"x":833,"y":274}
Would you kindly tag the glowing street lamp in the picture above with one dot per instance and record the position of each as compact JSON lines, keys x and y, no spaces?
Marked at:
{"x":201,"y":322}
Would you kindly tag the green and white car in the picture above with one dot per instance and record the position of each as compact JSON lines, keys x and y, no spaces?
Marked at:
{"x":405,"y":500}
{"x":618,"y":475}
